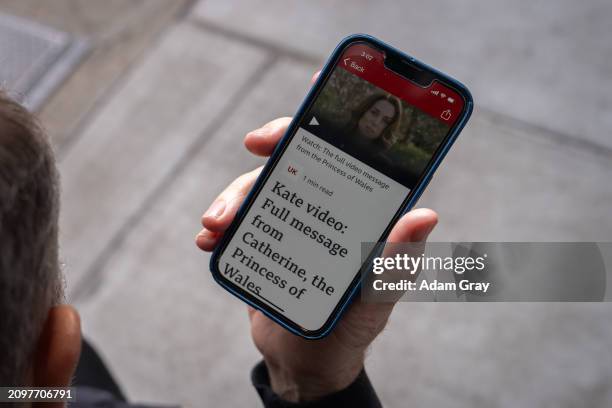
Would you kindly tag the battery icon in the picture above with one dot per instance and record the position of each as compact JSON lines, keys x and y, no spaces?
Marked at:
{"x":451,"y":100}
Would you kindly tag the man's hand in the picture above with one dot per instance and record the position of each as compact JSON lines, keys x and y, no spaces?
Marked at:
{"x":302,"y":370}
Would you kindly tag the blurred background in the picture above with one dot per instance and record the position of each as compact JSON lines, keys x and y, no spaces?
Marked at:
{"x":147,"y":103}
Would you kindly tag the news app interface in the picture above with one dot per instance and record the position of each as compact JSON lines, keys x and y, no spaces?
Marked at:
{"x":355,"y":157}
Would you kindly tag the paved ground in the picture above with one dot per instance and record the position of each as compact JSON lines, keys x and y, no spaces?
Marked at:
{"x":119,"y":31}
{"x":150,"y":131}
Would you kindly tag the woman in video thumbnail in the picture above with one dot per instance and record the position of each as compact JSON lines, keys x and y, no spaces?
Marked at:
{"x":368,"y":132}
{"x":375,"y":121}
{"x":376,"y":127}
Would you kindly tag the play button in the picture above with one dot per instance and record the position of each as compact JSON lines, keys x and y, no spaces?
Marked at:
{"x":314,"y":122}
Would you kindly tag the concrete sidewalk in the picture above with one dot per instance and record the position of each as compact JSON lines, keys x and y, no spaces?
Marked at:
{"x":533,"y":164}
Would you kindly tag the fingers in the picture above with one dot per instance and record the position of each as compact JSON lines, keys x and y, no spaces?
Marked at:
{"x":262,"y":141}
{"x":223,"y":210}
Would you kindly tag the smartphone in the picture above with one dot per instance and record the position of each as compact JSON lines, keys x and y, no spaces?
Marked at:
{"x":358,"y":154}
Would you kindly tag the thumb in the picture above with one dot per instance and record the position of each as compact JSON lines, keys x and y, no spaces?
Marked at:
{"x":414,"y":226}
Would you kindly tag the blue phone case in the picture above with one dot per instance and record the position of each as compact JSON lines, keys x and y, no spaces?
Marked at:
{"x":413,"y":196}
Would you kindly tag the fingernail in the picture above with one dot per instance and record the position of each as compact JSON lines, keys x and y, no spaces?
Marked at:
{"x":259,"y":132}
{"x":216,"y":209}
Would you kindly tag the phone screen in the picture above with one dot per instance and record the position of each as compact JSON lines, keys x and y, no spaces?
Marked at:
{"x":358,"y":151}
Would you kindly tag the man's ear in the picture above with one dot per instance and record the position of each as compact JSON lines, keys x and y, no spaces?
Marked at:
{"x":59,"y":348}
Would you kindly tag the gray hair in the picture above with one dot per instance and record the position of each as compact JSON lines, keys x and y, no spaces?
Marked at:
{"x":30,"y":278}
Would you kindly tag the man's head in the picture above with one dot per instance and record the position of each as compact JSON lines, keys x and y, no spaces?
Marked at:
{"x":39,"y":338}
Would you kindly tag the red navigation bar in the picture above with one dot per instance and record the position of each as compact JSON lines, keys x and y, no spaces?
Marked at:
{"x":436,"y":100}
